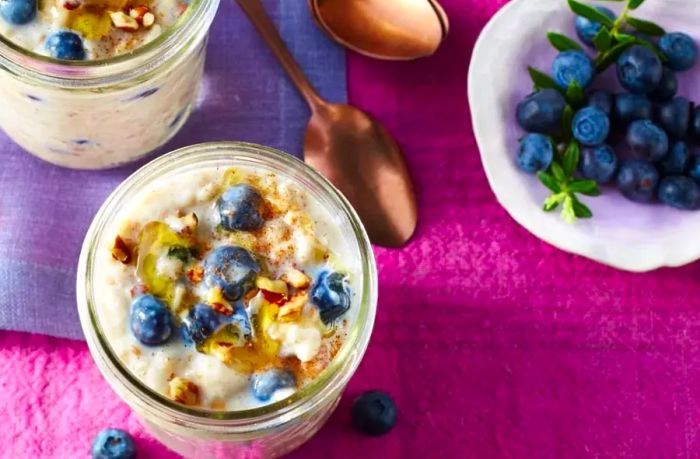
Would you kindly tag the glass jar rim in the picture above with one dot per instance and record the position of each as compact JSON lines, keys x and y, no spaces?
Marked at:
{"x":302,"y":400}
{"x":197,"y":17}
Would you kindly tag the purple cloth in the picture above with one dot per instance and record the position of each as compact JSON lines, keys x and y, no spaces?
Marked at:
{"x":45,"y":211}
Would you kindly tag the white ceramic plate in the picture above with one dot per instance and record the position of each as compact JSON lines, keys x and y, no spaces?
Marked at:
{"x":623,"y":234}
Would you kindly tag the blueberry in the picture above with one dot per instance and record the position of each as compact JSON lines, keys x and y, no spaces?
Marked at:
{"x":331,"y":295}
{"x":680,"y":192}
{"x":599,"y":163}
{"x":265,"y":384}
{"x":674,"y":117}
{"x":694,"y":172}
{"x":233,"y":269}
{"x":18,"y":12}
{"x":587,"y":29}
{"x":572,"y":66}
{"x":65,"y":45}
{"x":373,"y":413}
{"x":680,"y":50}
{"x":695,"y":125}
{"x":542,"y":111}
{"x":637,"y":180}
{"x":677,"y":160}
{"x":535,"y":153}
{"x":667,"y":88}
{"x":240,"y":208}
{"x":602,"y":100}
{"x":150,"y":320}
{"x":639,"y":70}
{"x":113,"y":444}
{"x":200,"y":323}
{"x":590,"y":126}
{"x":647,"y":141}
{"x":632,"y":107}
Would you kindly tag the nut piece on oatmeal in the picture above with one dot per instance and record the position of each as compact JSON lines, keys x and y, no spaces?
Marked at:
{"x":296,"y":278}
{"x":121,"y":251}
{"x":274,"y":286}
{"x":124,"y":22}
{"x":183,"y":391}
{"x":291,"y":310}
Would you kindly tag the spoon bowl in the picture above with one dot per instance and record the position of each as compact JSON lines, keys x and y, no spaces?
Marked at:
{"x":395,"y":30}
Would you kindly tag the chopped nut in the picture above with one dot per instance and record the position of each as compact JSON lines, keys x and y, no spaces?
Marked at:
{"x":296,"y":278}
{"x":274,"y":286}
{"x":123,"y":21}
{"x":195,"y":274}
{"x":138,"y":290}
{"x":184,"y":391}
{"x":291,"y":310}
{"x":136,"y":351}
{"x":71,"y":5}
{"x":148,"y":20}
{"x":222,"y":309}
{"x":138,"y":12}
{"x":121,"y":251}
{"x":189,"y":221}
{"x":179,"y":293}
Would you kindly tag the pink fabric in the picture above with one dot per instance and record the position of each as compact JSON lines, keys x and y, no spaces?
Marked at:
{"x":492,"y":342}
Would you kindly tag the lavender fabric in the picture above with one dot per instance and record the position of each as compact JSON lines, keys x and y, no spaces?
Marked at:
{"x":45,"y":211}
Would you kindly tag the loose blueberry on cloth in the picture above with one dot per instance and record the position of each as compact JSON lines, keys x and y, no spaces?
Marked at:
{"x":113,"y":444}
{"x":374,"y":413}
{"x":245,"y":96}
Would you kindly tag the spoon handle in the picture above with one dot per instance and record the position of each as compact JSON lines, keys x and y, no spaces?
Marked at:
{"x":255,"y":11}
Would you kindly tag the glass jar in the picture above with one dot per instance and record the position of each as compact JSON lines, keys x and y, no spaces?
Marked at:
{"x":268,"y":431}
{"x":101,"y":113}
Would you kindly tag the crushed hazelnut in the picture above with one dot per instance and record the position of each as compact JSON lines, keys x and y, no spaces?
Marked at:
{"x":195,"y":274}
{"x":296,"y":278}
{"x":121,"y":251}
{"x":274,"y":286}
{"x":291,"y":310}
{"x":184,"y":391}
{"x":123,"y":21}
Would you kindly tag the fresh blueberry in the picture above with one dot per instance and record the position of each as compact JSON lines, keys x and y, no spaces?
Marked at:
{"x":587,"y":29}
{"x":590,"y":126}
{"x":231,"y":268}
{"x":599,"y":163}
{"x":331,"y":295}
{"x":680,"y":50}
{"x":602,"y":100}
{"x":674,"y":117}
{"x":637,"y":180}
{"x":647,"y":141}
{"x":632,"y":107}
{"x":680,"y":192}
{"x":240,"y":208}
{"x":542,"y":111}
{"x":639,"y":69}
{"x":18,"y":12}
{"x":265,"y":384}
{"x":65,"y":45}
{"x":113,"y":444}
{"x":150,"y":320}
{"x":572,"y":66}
{"x":374,"y":413}
{"x":200,"y":323}
{"x":677,"y":160}
{"x":694,"y":171}
{"x":667,"y":88}
{"x":535,"y":153}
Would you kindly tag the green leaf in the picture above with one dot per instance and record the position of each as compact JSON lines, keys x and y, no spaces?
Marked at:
{"x":575,"y":95}
{"x":580,"y":209}
{"x":602,"y":40}
{"x":541,"y":80}
{"x":634,"y":4}
{"x":571,"y":157}
{"x":548,"y":181}
{"x":590,"y":12}
{"x":624,"y":37}
{"x":562,"y":42}
{"x":585,"y":187}
{"x":604,"y":60}
{"x":553,"y":202}
{"x":559,"y":174}
{"x":645,"y":26}
{"x":567,"y":211}
{"x":566,"y":120}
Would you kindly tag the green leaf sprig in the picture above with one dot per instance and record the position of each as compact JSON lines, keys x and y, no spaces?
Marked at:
{"x":610,"y":42}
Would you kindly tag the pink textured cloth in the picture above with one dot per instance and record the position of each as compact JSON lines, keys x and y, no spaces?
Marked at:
{"x":493,"y":343}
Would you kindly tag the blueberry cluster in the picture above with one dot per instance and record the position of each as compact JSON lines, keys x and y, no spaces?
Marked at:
{"x":641,"y":138}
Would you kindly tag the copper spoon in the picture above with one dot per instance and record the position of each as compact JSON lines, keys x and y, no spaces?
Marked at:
{"x":351,"y":149}
{"x":394,"y":30}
